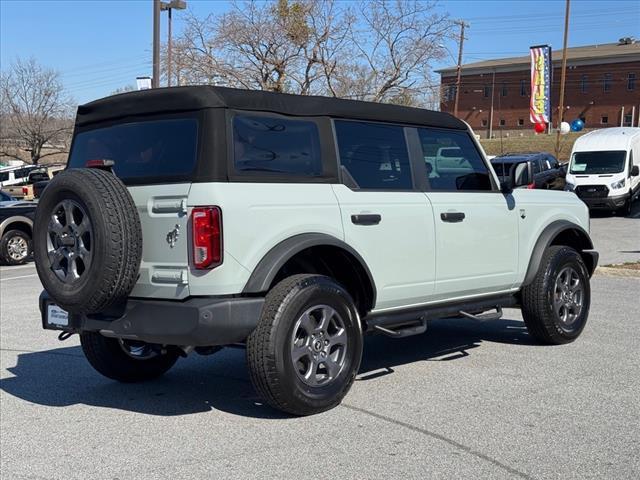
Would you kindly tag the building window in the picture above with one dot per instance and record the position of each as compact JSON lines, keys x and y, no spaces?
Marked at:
{"x":584,"y":83}
{"x":523,"y":88}
{"x":502,"y":122}
{"x":450,"y":93}
{"x":484,"y":122}
{"x":631,"y":81}
{"x":628,"y":118}
{"x":521,"y":122}
{"x":606,"y":85}
{"x":487,"y":91}
{"x":503,"y":90}
{"x":604,"y":120}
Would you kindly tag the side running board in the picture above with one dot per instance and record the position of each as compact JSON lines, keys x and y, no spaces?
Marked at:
{"x":416,"y":328}
{"x":483,"y":317}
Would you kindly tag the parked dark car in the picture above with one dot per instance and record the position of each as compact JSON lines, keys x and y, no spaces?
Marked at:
{"x":16,"y":230}
{"x":547,"y":172}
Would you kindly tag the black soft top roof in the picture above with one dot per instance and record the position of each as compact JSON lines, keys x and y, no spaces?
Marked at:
{"x":176,"y":99}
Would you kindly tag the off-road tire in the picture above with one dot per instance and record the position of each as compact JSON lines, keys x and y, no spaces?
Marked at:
{"x":108,"y":358}
{"x":117,"y":240}
{"x":537,"y":298}
{"x":5,"y":257}
{"x":625,"y":210}
{"x":268,"y":355}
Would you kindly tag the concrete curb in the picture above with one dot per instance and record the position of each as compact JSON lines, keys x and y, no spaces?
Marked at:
{"x":617,"y":272}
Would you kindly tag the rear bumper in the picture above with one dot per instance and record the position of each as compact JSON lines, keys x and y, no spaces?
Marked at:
{"x":605,"y":203}
{"x":196,"y":321}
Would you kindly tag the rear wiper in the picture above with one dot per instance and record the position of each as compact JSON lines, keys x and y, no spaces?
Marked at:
{"x":262,"y":169}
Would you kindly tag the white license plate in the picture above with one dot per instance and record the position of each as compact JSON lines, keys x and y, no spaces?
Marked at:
{"x":57,"y":316}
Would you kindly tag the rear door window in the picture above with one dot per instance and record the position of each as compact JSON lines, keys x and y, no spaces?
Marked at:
{"x":453,"y":162}
{"x":278,"y":145}
{"x":375,"y":155}
{"x":153,"y":150}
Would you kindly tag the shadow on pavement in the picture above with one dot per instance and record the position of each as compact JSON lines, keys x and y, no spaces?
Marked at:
{"x":635,"y":212}
{"x":62,"y":377}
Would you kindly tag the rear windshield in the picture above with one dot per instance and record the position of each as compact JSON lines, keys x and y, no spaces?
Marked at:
{"x":598,"y":162}
{"x":155,"y":150}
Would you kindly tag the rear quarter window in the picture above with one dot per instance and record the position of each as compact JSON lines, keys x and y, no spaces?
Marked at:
{"x":156,"y":150}
{"x":276,"y":145}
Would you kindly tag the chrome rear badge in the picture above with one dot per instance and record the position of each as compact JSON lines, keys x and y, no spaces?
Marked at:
{"x":172,"y":236}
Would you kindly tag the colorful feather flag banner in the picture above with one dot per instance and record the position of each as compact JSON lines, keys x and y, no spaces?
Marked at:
{"x":540,"y":111}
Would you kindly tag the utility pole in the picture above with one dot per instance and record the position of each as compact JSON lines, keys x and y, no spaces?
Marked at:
{"x":459,"y":67}
{"x":563,"y":78}
{"x":155,"y":79}
{"x":493,"y":88}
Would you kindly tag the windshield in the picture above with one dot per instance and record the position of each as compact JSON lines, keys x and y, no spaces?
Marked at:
{"x":154,"y":150}
{"x":598,"y":162}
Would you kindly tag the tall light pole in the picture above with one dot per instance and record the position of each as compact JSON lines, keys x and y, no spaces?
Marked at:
{"x":462,"y":24}
{"x":172,"y":5}
{"x":157,"y":7}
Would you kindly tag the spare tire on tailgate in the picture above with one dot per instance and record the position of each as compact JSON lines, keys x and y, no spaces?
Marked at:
{"x":87,"y":240}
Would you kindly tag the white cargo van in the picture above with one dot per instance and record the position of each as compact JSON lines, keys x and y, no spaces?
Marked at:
{"x":604,"y":168}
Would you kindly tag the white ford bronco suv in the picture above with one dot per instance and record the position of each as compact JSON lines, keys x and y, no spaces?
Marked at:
{"x":191,"y":218}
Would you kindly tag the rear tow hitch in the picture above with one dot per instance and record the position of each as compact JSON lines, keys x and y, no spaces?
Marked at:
{"x":65,"y":335}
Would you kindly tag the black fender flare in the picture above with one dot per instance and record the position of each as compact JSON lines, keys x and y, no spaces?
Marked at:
{"x":267,"y":268}
{"x":547,"y":236}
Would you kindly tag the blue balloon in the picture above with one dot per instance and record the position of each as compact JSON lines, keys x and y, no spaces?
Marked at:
{"x":577,"y":125}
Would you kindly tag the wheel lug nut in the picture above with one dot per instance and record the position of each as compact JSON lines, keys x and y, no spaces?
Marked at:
{"x":326,"y":342}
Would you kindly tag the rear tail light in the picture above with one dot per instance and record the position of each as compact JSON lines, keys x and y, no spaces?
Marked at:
{"x":25,"y":191}
{"x":531,"y":186}
{"x":207,"y":237}
{"x":99,"y":163}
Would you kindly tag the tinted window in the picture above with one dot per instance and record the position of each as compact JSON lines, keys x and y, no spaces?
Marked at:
{"x":453,"y":162}
{"x":276,"y":144}
{"x":536,"y":166}
{"x":375,"y":155}
{"x":4,"y":176}
{"x":154,"y":148}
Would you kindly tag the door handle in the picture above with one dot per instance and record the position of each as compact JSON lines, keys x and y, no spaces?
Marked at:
{"x":366,"y":219}
{"x":452,"y":217}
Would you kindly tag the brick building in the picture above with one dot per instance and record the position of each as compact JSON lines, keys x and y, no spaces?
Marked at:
{"x":602,"y":88}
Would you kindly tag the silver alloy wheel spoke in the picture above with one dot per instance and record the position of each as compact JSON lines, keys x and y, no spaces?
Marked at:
{"x":339,"y":338}
{"x":567,"y":296}
{"x":17,"y":248}
{"x":69,"y":241}
{"x":319,"y":345}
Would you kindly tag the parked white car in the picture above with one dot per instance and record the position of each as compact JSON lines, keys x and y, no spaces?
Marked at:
{"x":604,"y":169}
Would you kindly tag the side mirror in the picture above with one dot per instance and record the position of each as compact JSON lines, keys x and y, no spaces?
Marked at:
{"x":635,"y":171}
{"x":505,"y":187}
{"x":521,"y":174}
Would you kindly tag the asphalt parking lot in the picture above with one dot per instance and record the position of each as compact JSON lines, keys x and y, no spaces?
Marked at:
{"x":466,"y":399}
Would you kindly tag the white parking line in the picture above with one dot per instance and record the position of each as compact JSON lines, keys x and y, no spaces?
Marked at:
{"x":10,"y":269}
{"x":15,"y":278}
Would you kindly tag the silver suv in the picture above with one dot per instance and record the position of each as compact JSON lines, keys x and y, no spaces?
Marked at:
{"x":196,"y":217}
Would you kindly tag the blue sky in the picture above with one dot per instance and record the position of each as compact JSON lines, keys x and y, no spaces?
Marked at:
{"x":99,"y":45}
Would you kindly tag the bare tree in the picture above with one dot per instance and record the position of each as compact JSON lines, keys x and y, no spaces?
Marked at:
{"x":394,"y":44}
{"x":377,"y":50}
{"x":35,"y":111}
